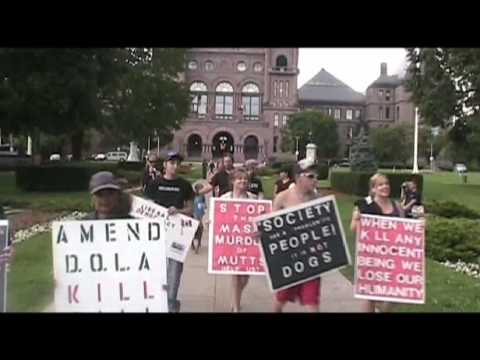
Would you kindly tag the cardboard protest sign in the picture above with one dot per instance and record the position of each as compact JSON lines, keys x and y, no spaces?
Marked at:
{"x":109,"y":266}
{"x":180,"y":229}
{"x":233,"y":247}
{"x":390,"y":259}
{"x":3,"y":272}
{"x":302,"y":242}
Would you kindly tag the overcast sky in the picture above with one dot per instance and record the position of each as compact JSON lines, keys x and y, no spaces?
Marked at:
{"x":356,"y":67}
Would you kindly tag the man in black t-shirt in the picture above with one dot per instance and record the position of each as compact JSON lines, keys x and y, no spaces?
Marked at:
{"x":255,"y":184}
{"x":176,"y":194}
{"x":221,"y":178}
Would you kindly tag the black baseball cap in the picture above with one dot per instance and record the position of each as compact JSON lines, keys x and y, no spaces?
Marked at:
{"x":174,"y":155}
{"x":103,"y":180}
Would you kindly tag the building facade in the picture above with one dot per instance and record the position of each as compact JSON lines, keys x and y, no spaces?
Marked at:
{"x":386,"y":102}
{"x":241,"y":97}
{"x":327,"y":94}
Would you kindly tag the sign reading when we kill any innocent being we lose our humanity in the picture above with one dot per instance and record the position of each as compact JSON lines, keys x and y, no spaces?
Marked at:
{"x":109,"y":266}
{"x":302,"y":242}
{"x":390,"y":259}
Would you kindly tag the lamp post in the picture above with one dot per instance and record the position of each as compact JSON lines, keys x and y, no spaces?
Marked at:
{"x":415,"y":144}
{"x":296,"y":151}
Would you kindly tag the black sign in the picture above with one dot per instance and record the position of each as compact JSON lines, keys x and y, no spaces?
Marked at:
{"x":301,"y":243}
{"x":3,"y":272}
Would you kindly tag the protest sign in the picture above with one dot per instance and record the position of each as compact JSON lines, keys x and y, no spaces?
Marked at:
{"x":302,"y":242}
{"x":233,"y":246}
{"x":180,"y":229}
{"x":390,"y":259}
{"x":3,"y":271}
{"x":109,"y":266}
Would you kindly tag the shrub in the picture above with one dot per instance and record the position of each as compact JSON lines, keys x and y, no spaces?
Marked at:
{"x":323,"y":170}
{"x":358,"y":183}
{"x":131,"y":165}
{"x":451,"y":209}
{"x":453,"y":239}
{"x":53,"y":178}
{"x":64,"y":177}
{"x":266,"y":171}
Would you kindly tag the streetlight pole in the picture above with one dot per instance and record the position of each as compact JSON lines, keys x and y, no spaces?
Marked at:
{"x":415,"y":144}
{"x":296,"y":151}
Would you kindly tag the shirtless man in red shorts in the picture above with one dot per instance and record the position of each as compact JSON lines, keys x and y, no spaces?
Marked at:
{"x":304,"y":190}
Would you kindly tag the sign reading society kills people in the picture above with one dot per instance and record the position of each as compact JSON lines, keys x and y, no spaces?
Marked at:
{"x":302,"y":242}
{"x":3,"y":272}
{"x":109,"y":266}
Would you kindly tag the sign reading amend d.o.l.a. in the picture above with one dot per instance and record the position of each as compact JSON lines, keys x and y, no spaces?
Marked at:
{"x":302,"y":242}
{"x":109,"y":266}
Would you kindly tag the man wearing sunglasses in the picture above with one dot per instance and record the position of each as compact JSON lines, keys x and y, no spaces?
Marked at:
{"x":305,"y":190}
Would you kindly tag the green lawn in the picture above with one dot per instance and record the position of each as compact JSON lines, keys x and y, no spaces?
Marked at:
{"x":30,"y":282}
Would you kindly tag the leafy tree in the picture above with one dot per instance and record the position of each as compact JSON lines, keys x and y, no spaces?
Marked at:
{"x":67,"y":91}
{"x":312,"y":126}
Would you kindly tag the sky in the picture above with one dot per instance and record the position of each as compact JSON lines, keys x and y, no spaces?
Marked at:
{"x":356,"y":67}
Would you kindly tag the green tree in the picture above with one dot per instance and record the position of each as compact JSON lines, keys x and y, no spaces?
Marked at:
{"x":67,"y":91}
{"x":392,"y":144}
{"x":312,"y":126}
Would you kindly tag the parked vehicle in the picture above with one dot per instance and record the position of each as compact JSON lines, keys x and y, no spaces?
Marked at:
{"x":117,"y":156}
{"x":460,"y":168}
{"x":100,"y":157}
{"x":55,"y":157}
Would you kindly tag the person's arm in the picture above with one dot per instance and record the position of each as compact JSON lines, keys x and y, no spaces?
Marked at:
{"x":355,"y":219}
{"x":409,"y":205}
{"x":187,"y":209}
{"x":279,"y":201}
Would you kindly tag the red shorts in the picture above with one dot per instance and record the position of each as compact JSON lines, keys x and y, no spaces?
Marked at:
{"x":308,"y":293}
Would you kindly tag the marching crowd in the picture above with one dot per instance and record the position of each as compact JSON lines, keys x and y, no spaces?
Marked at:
{"x":163,"y":185}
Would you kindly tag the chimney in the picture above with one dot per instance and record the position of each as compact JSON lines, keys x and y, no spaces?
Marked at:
{"x":383,"y":69}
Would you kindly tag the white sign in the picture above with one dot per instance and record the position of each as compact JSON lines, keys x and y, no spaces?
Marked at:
{"x":180,"y":229}
{"x":109,"y":266}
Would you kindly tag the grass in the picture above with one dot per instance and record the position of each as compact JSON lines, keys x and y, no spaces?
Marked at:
{"x":30,"y":281}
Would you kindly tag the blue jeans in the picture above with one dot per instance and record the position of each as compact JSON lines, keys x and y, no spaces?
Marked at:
{"x":174,"y":273}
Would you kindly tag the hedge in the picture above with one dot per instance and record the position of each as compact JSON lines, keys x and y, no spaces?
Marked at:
{"x":358,"y":183}
{"x":131,"y":165}
{"x":453,"y":239}
{"x":451,"y":209}
{"x":59,"y":177}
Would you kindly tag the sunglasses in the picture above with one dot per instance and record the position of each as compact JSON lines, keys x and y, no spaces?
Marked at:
{"x":309,"y":175}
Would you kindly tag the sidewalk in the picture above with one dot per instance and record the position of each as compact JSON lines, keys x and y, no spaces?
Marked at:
{"x":202,"y":292}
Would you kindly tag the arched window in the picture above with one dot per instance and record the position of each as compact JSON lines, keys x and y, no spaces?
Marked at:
{"x":250,"y":101}
{"x":281,"y":61}
{"x":224,"y":101}
{"x":198,"y":91}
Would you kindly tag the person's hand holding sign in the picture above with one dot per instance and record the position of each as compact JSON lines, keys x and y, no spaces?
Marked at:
{"x":172,"y":210}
